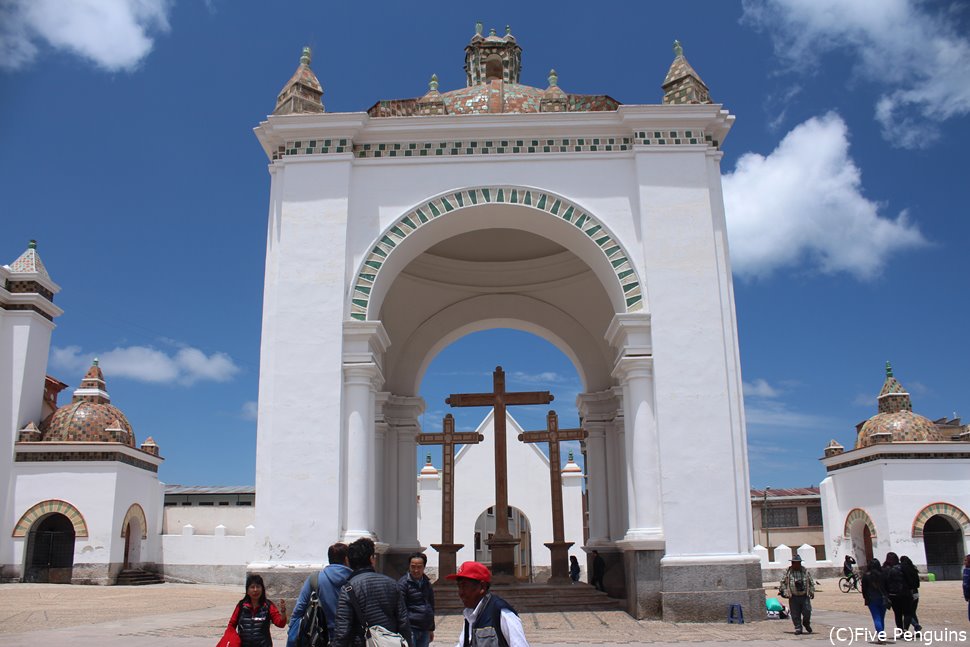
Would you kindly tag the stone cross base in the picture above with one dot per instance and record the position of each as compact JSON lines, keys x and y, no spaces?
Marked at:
{"x":560,"y":562}
{"x":447,"y":558}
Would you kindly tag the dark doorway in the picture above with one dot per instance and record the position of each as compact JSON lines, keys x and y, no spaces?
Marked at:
{"x":943,"y":540}
{"x":50,"y":550}
{"x":867,"y":543}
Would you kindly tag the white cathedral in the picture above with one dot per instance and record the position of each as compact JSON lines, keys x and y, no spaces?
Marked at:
{"x":393,"y":232}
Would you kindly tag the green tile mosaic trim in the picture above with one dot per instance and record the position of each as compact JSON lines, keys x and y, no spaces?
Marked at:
{"x":313,"y":147}
{"x":674,"y":138}
{"x":625,"y":273}
{"x":934,"y":509}
{"x":858,"y":514}
{"x":44,"y":508}
{"x":515,"y":146}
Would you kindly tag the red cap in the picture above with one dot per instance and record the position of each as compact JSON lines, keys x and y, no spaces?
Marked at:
{"x":473,"y":571}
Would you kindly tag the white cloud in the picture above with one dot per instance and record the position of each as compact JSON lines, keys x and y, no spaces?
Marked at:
{"x":146,"y":364}
{"x":777,"y":417}
{"x":113,"y":34}
{"x":802,"y":207}
{"x":760,"y":389}
{"x":921,"y":59}
{"x":249,"y":410}
{"x":544,"y":377}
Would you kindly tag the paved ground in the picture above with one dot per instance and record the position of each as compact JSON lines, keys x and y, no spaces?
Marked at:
{"x":186,"y":615}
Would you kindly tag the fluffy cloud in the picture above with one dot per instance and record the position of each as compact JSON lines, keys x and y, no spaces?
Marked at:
{"x":249,"y":410}
{"x":920,"y":58}
{"x":802,"y":206}
{"x":113,"y":34}
{"x":760,"y":389}
{"x":185,"y":366}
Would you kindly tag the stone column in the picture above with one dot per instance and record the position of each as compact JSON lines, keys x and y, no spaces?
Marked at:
{"x":400,"y":486}
{"x":363,"y":353}
{"x":385,"y":512}
{"x":597,"y":411}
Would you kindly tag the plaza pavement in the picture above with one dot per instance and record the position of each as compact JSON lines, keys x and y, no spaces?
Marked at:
{"x":185,"y":615}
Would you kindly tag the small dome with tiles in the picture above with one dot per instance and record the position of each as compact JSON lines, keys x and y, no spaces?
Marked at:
{"x":896,"y":422}
{"x":90,"y":417}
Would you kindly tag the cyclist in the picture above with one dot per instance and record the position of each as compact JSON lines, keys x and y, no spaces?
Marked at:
{"x":848,"y":571}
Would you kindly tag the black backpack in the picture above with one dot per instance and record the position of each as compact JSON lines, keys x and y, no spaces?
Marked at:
{"x":313,"y":624}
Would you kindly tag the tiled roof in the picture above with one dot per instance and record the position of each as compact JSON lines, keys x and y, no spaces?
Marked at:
{"x":780,"y":492}
{"x":210,"y":489}
{"x":29,"y":262}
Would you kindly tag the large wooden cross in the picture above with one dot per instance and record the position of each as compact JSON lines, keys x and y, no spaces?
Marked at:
{"x":447,"y":549}
{"x":502,"y":543}
{"x":559,"y":547}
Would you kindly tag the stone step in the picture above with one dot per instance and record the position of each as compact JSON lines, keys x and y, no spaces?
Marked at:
{"x":136,"y":577}
{"x":529,"y":598}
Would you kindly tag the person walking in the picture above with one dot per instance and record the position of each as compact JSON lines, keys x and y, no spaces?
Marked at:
{"x":367,"y":599}
{"x":875,"y":597}
{"x":599,"y":570}
{"x":490,"y":621}
{"x":798,"y":586}
{"x":966,"y":583}
{"x":912,"y":581}
{"x":900,"y":596}
{"x":253,"y":614}
{"x":329,"y":582}
{"x":419,"y":600}
{"x":573,"y":568}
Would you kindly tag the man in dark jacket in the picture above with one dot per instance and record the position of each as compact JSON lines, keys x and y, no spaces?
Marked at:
{"x":329,"y":582}
{"x":377,"y":596}
{"x":419,"y":599}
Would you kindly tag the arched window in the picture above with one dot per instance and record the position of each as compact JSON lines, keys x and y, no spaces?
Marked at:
{"x":493,"y":67}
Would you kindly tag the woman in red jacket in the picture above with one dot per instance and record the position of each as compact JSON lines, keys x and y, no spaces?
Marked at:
{"x":254,"y":613}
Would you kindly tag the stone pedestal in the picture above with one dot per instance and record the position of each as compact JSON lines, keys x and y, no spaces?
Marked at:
{"x":503,"y":559}
{"x":642,"y":574}
{"x":699,"y":589}
{"x":560,"y":562}
{"x":447,"y":558}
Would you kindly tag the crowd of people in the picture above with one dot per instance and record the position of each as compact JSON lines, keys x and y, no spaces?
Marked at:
{"x":893,"y":584}
{"x":358,"y":601}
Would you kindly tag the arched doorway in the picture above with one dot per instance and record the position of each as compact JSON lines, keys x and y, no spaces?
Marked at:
{"x":50,"y":550}
{"x":943,"y":541}
{"x":519,"y":527}
{"x":133,"y":535}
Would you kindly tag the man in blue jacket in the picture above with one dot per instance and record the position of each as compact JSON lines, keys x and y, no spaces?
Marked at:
{"x":419,"y":599}
{"x":329,"y":581}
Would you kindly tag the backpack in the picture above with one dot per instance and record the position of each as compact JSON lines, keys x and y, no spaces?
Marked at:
{"x":313,"y":625}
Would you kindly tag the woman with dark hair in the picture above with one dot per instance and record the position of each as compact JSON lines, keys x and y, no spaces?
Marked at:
{"x":573,"y":568}
{"x":899,"y":595}
{"x":874,"y":595}
{"x":254,"y":613}
{"x":912,"y":581}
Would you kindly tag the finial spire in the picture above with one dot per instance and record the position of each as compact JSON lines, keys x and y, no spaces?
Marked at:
{"x":889,"y":369}
{"x":433,"y":83}
{"x":678,"y":50}
{"x":508,"y":29}
{"x":570,"y":456}
{"x":94,"y":362}
{"x":32,"y":244}
{"x":307,"y":56}
{"x":491,"y":32}
{"x":478,"y":27}
{"x":427,"y":459}
{"x":553,"y":79}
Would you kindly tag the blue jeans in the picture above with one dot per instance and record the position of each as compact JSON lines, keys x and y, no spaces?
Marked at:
{"x":421,"y":638}
{"x":878,"y":611}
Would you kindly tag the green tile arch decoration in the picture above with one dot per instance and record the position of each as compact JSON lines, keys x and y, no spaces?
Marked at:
{"x":858,"y":514}
{"x":136,"y":512}
{"x":943,"y":508}
{"x":44,"y":508}
{"x":441,"y":205}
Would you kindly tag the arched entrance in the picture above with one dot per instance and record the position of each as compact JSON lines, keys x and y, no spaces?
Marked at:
{"x":519,"y":527}
{"x":133,"y":535}
{"x":943,"y":541}
{"x":860,"y":531}
{"x":50,"y":550}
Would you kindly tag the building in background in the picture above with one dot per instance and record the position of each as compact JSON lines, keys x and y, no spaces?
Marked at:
{"x":904,"y":487}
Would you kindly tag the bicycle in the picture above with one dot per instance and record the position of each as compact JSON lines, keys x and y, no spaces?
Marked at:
{"x":849,"y":583}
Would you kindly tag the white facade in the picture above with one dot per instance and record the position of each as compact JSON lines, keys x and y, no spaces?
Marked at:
{"x":529,"y":492}
{"x":892,"y":491}
{"x":617,"y":256}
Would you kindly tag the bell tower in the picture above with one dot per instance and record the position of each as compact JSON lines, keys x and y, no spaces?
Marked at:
{"x":492,"y":57}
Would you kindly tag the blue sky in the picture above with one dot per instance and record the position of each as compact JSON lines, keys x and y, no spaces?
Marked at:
{"x":127,"y":152}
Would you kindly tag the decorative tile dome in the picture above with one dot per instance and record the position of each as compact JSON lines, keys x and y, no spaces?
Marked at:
{"x":896,"y":422}
{"x":89,"y":417}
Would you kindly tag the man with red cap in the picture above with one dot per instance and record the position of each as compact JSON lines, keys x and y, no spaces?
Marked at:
{"x":489,"y":620}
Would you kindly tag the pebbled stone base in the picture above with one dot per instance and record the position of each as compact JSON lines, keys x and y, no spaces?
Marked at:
{"x":704,"y":592}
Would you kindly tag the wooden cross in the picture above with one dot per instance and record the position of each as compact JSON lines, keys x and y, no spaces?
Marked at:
{"x":447,"y":549}
{"x":553,"y":435}
{"x":501,"y":544}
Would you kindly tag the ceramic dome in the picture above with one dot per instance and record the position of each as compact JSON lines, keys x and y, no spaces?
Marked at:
{"x":896,"y":422}
{"x":90,"y":417}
